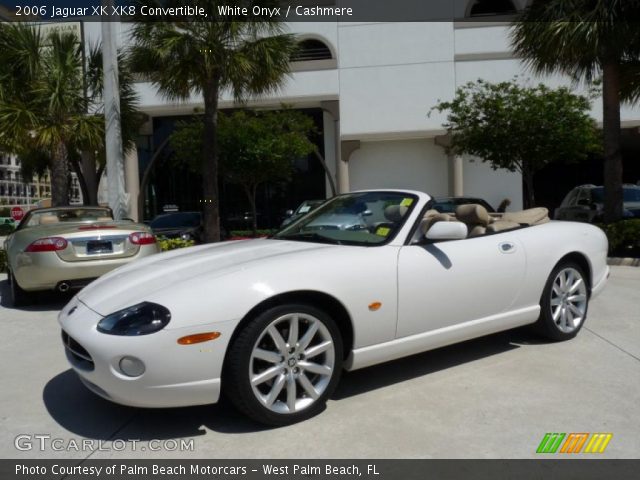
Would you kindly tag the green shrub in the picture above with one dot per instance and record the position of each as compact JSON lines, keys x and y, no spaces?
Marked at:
{"x":623,"y":235}
{"x":6,"y":229}
{"x":3,"y":261}
{"x":173,"y":243}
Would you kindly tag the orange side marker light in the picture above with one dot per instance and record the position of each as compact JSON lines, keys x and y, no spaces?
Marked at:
{"x":198,"y":338}
{"x":375,"y":306}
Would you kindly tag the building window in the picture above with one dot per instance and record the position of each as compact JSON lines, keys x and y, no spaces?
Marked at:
{"x":311,"y":49}
{"x":483,"y":8}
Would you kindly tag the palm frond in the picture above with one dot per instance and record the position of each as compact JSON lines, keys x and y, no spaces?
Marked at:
{"x":575,"y":37}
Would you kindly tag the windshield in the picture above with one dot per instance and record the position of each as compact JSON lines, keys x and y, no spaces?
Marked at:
{"x":66,"y":215}
{"x":307,"y":206}
{"x":369,"y":218}
{"x":630,"y":194}
{"x":177,"y":220}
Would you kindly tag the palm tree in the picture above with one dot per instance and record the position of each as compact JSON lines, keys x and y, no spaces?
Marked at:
{"x":42,"y":101}
{"x":44,"y":105}
{"x":206,"y":57}
{"x":588,"y":39}
{"x":91,"y":163}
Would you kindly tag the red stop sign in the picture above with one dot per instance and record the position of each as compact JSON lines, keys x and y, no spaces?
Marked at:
{"x":17,"y":213}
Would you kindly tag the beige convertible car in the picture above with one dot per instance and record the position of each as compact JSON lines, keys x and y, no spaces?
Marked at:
{"x":64,"y":248}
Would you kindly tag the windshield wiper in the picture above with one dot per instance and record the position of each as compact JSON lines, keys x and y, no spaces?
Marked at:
{"x":310,"y":236}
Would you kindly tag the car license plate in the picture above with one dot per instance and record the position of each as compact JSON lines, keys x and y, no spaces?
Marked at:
{"x":99,"y":246}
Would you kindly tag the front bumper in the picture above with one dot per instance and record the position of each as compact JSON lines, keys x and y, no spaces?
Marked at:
{"x":45,"y":270}
{"x":175,"y":375}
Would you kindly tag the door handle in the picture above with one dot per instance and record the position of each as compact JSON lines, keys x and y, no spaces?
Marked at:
{"x":507,"y":247}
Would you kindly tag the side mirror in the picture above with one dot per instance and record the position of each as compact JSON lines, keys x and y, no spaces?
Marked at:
{"x":288,"y":213}
{"x":367,"y":213}
{"x":447,"y":231}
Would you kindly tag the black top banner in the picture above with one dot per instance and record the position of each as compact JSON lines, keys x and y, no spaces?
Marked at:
{"x":259,"y":10}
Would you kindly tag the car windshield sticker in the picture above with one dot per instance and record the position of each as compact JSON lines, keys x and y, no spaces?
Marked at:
{"x":304,"y":209}
{"x":406,"y":202}
{"x":383,"y":231}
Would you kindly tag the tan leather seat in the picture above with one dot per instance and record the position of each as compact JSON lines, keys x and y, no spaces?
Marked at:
{"x":475,"y":216}
{"x":501,"y":225}
{"x":531,"y":216}
{"x":49,"y":219}
{"x":395,"y":213}
{"x":428,"y":221}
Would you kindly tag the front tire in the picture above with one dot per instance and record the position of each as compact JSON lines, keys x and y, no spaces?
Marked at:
{"x":564,"y":302}
{"x":284,"y":364}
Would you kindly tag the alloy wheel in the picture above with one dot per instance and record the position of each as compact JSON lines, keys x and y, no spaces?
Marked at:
{"x":568,"y":300}
{"x":292,"y":363}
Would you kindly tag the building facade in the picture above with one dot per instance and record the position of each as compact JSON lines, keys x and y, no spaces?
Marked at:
{"x":16,"y":190}
{"x":374,"y":85}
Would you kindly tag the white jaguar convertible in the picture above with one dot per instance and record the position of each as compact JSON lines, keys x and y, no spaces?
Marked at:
{"x":365,"y":278}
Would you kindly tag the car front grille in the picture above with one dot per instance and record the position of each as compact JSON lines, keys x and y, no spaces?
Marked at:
{"x":76,"y":353}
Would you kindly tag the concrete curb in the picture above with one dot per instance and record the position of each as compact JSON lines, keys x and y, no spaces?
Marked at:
{"x":623,"y":262}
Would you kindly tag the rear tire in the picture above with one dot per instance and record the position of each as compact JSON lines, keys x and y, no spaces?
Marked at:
{"x":284,"y":364}
{"x":564,"y":302}
{"x":18,"y":296}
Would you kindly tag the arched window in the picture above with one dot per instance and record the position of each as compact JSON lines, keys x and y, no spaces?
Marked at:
{"x":311,"y":49}
{"x":483,"y":8}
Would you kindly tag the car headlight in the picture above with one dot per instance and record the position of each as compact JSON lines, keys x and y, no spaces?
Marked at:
{"x":141,"y":319}
{"x":186,"y":236}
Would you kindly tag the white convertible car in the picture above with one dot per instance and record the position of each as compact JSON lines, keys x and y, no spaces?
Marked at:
{"x":271,"y":323}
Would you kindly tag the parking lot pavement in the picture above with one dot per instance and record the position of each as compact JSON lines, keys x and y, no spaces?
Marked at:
{"x":493,"y":397}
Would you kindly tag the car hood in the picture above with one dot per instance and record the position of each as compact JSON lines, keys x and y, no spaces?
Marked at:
{"x":133,"y":283}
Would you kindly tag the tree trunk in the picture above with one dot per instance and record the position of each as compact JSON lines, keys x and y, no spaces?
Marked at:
{"x":332,"y":183}
{"x":59,"y":176}
{"x":90,"y":178}
{"x":81,"y":179}
{"x":613,"y":203}
{"x":211,"y":210}
{"x":250,"y":190}
{"x":145,"y":177}
{"x":529,"y":194}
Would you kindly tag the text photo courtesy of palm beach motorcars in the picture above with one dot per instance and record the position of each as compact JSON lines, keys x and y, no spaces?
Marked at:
{"x":324,"y":238}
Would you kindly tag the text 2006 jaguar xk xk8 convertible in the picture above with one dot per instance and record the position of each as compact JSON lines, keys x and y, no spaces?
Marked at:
{"x":366,"y":278}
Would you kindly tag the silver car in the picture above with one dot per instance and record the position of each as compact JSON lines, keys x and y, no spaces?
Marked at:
{"x":64,"y":248}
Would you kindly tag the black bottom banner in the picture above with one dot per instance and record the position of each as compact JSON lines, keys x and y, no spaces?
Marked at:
{"x":583,"y":469}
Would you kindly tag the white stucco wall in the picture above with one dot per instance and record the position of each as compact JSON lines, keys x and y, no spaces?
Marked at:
{"x":478,"y":51}
{"x":492,"y":185}
{"x":391,"y":75}
{"x":412,"y":164}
